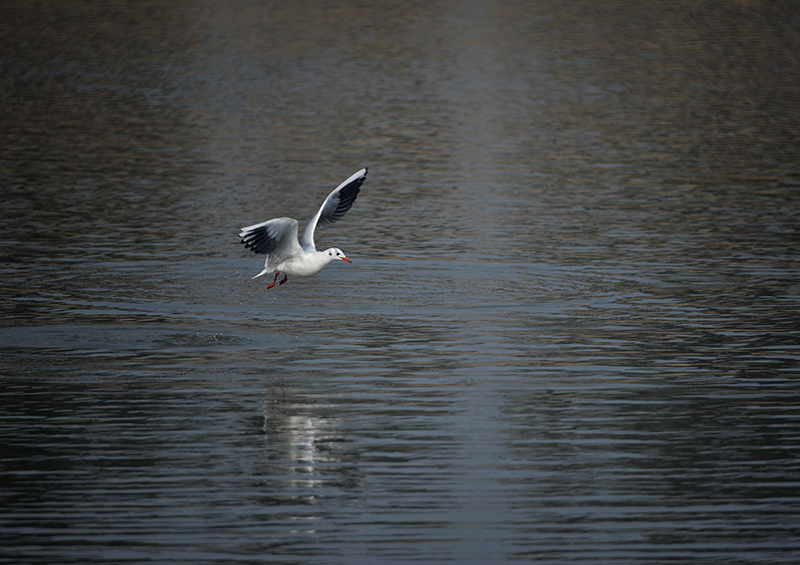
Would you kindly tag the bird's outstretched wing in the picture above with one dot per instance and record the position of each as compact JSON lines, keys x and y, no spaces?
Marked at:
{"x":278,"y":234}
{"x":335,"y":207}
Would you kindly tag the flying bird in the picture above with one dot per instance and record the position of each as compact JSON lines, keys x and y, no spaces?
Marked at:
{"x":277,"y":238}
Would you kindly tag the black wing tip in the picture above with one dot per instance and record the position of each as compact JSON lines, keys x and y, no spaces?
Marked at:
{"x":258,"y":241}
{"x":360,"y":178}
{"x":251,"y":245}
{"x":351,"y":189}
{"x":362,"y":175}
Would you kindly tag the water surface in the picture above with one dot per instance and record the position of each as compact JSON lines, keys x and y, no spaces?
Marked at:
{"x":571,"y":330}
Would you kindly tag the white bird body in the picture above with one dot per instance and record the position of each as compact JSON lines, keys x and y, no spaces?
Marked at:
{"x":277,"y":238}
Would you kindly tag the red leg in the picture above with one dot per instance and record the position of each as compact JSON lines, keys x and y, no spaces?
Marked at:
{"x":284,"y":279}
{"x":273,"y":280}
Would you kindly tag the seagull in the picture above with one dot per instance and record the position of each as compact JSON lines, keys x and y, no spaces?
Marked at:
{"x":277,"y":238}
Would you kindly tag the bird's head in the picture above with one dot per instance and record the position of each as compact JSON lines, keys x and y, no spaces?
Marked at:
{"x":335,"y":253}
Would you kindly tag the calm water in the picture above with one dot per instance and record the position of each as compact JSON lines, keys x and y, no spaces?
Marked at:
{"x":571,"y":330}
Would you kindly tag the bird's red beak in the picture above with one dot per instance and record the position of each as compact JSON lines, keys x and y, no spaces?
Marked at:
{"x":346,"y":259}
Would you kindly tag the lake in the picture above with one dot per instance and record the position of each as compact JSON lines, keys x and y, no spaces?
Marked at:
{"x":570,"y":332}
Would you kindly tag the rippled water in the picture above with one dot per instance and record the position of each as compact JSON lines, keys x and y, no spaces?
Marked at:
{"x":571,"y":330}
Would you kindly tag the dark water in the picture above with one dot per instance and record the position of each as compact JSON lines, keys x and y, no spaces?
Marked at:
{"x":571,"y":330}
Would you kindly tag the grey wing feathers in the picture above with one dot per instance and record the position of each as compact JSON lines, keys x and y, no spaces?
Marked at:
{"x":341,"y":200}
{"x":266,"y":236}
